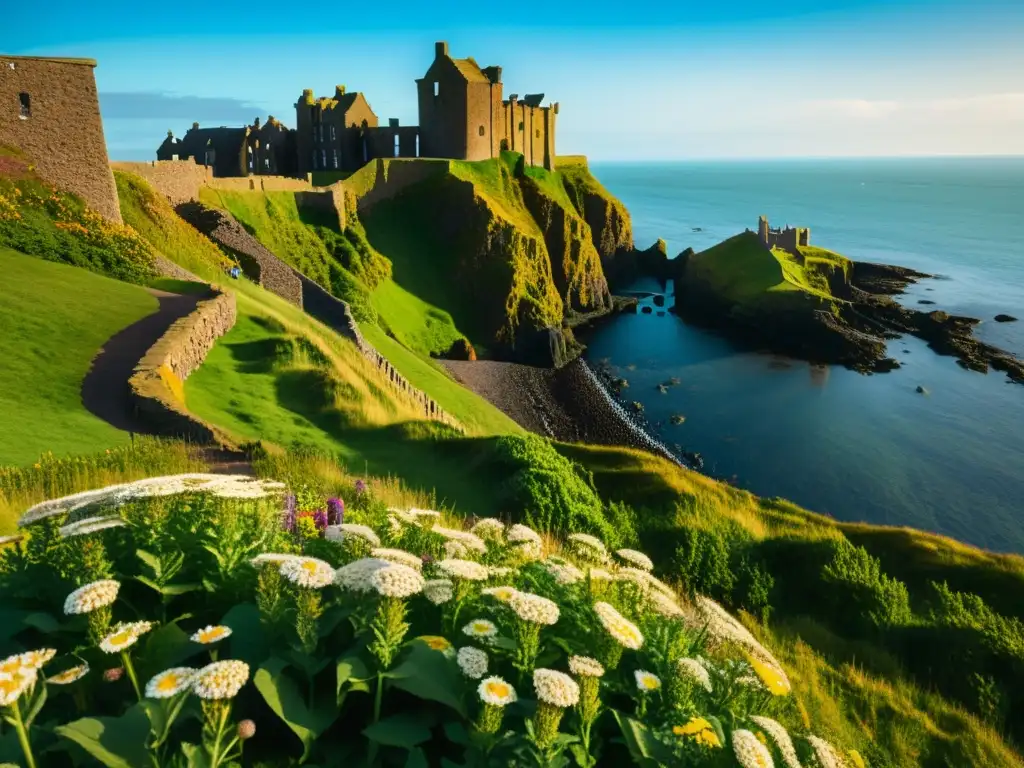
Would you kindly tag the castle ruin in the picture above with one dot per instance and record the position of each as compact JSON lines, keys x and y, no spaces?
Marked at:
{"x":50,"y":111}
{"x":462,"y":116}
{"x":788,"y":239}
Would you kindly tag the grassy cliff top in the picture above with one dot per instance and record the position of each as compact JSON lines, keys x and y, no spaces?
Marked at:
{"x":741,"y":271}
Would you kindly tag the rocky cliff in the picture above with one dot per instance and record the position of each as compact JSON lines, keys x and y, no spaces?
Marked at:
{"x":502,"y":248}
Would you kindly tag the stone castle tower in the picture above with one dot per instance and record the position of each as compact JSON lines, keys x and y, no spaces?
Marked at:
{"x":51,"y":112}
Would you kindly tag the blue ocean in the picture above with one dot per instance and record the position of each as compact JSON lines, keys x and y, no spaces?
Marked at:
{"x":856,"y":447}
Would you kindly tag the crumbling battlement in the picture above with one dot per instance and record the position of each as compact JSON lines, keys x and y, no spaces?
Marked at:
{"x":788,"y":239}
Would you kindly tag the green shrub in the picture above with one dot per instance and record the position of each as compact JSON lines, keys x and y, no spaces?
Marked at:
{"x":754,"y":585}
{"x":552,"y":493}
{"x":862,"y":597}
{"x":702,"y":560}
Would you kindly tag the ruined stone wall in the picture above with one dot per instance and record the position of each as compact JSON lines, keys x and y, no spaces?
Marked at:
{"x":530,"y":131}
{"x":177,"y":180}
{"x":59,"y":128}
{"x":258,"y":263}
{"x":156,"y":388}
{"x":260,"y":184}
{"x":336,"y":314}
{"x":788,"y":239}
{"x":380,"y":142}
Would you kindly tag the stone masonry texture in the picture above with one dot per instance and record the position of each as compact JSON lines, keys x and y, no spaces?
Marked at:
{"x":260,"y":264}
{"x":49,"y":110}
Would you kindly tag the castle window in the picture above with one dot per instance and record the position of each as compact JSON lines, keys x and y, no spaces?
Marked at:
{"x":520,"y":125}
{"x":538,"y":133}
{"x":334,"y":159}
{"x":266,"y":163}
{"x":26,"y":106}
{"x":437,"y":88}
{"x":333,"y":134}
{"x":397,"y":147}
{"x":323,"y":158}
{"x":481,"y":130}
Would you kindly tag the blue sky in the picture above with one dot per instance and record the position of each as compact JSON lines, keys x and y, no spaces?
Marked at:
{"x":638,"y":80}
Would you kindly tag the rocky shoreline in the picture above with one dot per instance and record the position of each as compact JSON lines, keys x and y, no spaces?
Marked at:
{"x":868,"y":317}
{"x":570,"y":404}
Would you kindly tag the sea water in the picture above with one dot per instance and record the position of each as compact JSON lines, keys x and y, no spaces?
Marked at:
{"x":857,"y":447}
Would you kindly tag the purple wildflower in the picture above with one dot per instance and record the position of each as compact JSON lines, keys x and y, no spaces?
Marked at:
{"x":320,"y":520}
{"x":335,"y":511}
{"x":288,"y":520}
{"x":360,"y":486}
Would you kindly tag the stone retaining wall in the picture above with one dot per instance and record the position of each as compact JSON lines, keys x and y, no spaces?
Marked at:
{"x":156,"y":388}
{"x":177,"y":180}
{"x":336,"y":314}
{"x":258,"y":263}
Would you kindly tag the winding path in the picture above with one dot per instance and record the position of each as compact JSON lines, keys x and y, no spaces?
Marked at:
{"x":105,"y":390}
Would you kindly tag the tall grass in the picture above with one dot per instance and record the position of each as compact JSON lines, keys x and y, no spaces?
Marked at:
{"x":54,"y":476}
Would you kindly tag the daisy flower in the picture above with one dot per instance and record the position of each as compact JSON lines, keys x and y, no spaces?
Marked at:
{"x":646,"y":682}
{"x":36,"y":659}
{"x":69,"y":676}
{"x":12,"y":685}
{"x":502,"y":594}
{"x":480,"y":628}
{"x":496,"y":692}
{"x":221,"y":679}
{"x":308,"y":572}
{"x":170,"y":682}
{"x":87,"y":599}
{"x":124,"y":636}
{"x":211,"y":634}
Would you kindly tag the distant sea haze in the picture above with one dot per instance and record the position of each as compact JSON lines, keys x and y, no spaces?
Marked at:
{"x":856,"y":447}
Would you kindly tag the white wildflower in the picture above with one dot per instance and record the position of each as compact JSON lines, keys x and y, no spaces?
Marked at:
{"x":781,"y":737}
{"x":534,"y":608}
{"x":397,"y":580}
{"x":646,"y":682}
{"x":530,"y":550}
{"x":555,"y":688}
{"x":170,"y":682}
{"x":36,"y":659}
{"x":724,"y":628}
{"x":565,"y":573}
{"x":503,"y":594}
{"x":407,"y":559}
{"x":694,"y":670}
{"x":355,"y":577}
{"x":519,"y":533}
{"x":499,"y":571}
{"x":424,"y":513}
{"x":454,"y":550}
{"x":92,"y":596}
{"x":221,"y":679}
{"x":91,"y":525}
{"x":622,"y":630}
{"x":469,"y":540}
{"x":825,"y":753}
{"x":308,"y":572}
{"x":634,"y":576}
{"x":665,"y":606}
{"x":15,"y":683}
{"x":124,"y":636}
{"x":750,"y":752}
{"x":480,"y":628}
{"x":584,"y":666}
{"x":271,"y":558}
{"x":212,"y":634}
{"x":587,"y":546}
{"x":489,"y":528}
{"x":463,"y":569}
{"x":225,"y":486}
{"x":438,"y":591}
{"x":346,"y":531}
{"x":472,"y":662}
{"x":496,"y":692}
{"x":69,"y":676}
{"x":600,"y":574}
{"x":638,"y":559}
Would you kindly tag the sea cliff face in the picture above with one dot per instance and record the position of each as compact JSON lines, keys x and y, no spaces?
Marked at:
{"x":503,"y":248}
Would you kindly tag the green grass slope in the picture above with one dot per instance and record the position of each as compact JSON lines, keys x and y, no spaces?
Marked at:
{"x":55,"y":319}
